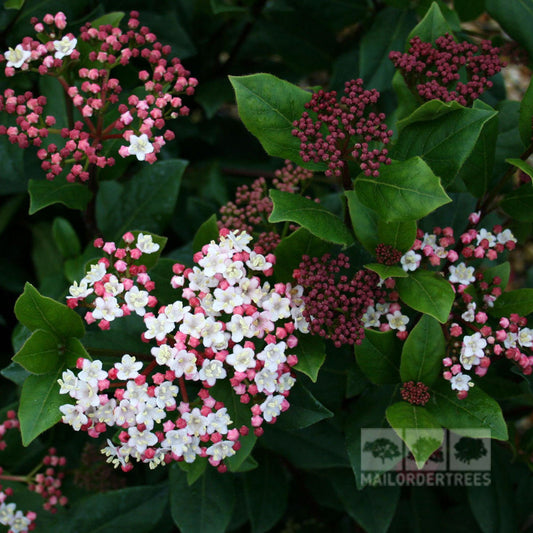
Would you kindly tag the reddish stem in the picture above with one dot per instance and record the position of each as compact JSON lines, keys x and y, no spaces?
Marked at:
{"x":183,"y":390}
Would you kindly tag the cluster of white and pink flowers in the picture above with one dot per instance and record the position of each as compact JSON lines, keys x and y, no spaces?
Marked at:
{"x":13,"y":518}
{"x":228,"y":331}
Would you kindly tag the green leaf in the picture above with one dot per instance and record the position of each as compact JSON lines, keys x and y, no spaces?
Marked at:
{"x":433,"y":25}
{"x":469,"y":9}
{"x":443,"y":134}
{"x":305,"y":410}
{"x":15,"y":373}
{"x":364,"y":222}
{"x":405,"y":190}
{"x":477,"y":170}
{"x":112,"y":18}
{"x":65,"y":238}
{"x":136,"y":509}
{"x":268,"y":106}
{"x":14,"y":4}
{"x":378,"y":355}
{"x":194,"y":470}
{"x":518,"y":203}
{"x":292,"y":248}
{"x":205,"y":506}
{"x":502,"y":271}
{"x":145,"y":203}
{"x":387,"y":271}
{"x":312,"y":216}
{"x":44,"y":193}
{"x":466,"y":417}
{"x":399,"y":235}
{"x":39,"y":404}
{"x":526,"y":115}
{"x":407,"y":101}
{"x":423,"y":351}
{"x":417,"y":428}
{"x":242,"y":461}
{"x":388,"y":32}
{"x":148,"y":260}
{"x":516,"y":19}
{"x":206,"y":233}
{"x":40,"y":353}
{"x":266,"y":492}
{"x":427,"y":292}
{"x":311,"y":352}
{"x":522,"y":165}
{"x":518,"y":301}
{"x":39,"y":312}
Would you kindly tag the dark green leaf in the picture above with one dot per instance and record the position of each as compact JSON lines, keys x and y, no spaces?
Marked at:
{"x":387,"y":271}
{"x":469,"y":9}
{"x":433,"y":25}
{"x":311,"y":352}
{"x":466,"y":417}
{"x":407,"y":101}
{"x":526,"y":115}
{"x":268,"y":106}
{"x":144,"y":203}
{"x":15,"y":373}
{"x":194,"y":470}
{"x":522,"y":165}
{"x":518,"y":204}
{"x":518,"y":301}
{"x":378,"y":355}
{"x":40,"y":353}
{"x":39,"y":312}
{"x":516,"y":18}
{"x":65,"y":238}
{"x":443,"y":134}
{"x":417,"y":428}
{"x":305,"y":410}
{"x":265,"y":492}
{"x":205,"y":506}
{"x":427,"y":292}
{"x":423,"y":352}
{"x":242,"y":461}
{"x":399,"y":235}
{"x":206,"y":233}
{"x":312,"y":216}
{"x":364,"y":222}
{"x":405,"y":190}
{"x":502,"y":271}
{"x":112,"y":18}
{"x":44,"y":193}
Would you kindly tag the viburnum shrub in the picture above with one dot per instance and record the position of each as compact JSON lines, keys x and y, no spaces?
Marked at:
{"x":209,"y":329}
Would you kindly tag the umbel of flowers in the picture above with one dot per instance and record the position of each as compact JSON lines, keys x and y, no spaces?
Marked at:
{"x":92,"y":91}
{"x":229,"y":329}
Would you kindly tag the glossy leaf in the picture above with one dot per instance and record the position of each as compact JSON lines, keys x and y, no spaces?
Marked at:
{"x":206,"y":233}
{"x":433,"y":25}
{"x":44,"y":193}
{"x":206,"y":505}
{"x":387,"y":271}
{"x":399,"y":235}
{"x":39,"y":312}
{"x":378,"y":355}
{"x":417,"y":428}
{"x":466,"y":417}
{"x":406,"y":190}
{"x":522,"y":165}
{"x":241,"y":461}
{"x":423,"y":352}
{"x":268,"y":106}
{"x":40,"y":353}
{"x":518,"y":301}
{"x":194,"y":470}
{"x":311,"y":352}
{"x":364,"y":222}
{"x":112,"y":18}
{"x":65,"y":238}
{"x":443,"y":134}
{"x":526,"y":112}
{"x":427,"y":292}
{"x":312,"y":216}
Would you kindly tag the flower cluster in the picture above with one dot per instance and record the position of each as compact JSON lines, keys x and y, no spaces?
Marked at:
{"x":92,"y":95}
{"x":434,"y":71}
{"x":339,"y":306}
{"x":229,"y":332}
{"x":337,"y":132}
{"x":252,"y":206}
{"x":14,"y":518}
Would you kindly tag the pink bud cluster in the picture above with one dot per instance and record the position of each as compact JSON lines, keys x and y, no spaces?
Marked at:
{"x":338,"y":132}
{"x":229,"y":333}
{"x":335,"y":302}
{"x":434,"y":71}
{"x":117,"y":285}
{"x":415,"y":393}
{"x":93,"y":94}
{"x":10,"y":423}
{"x":252,"y":206}
{"x":387,"y":254}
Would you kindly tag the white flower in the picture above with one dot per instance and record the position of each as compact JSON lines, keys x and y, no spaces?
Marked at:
{"x":124,"y":413}
{"x":525,"y":337}
{"x":97,"y":272}
{"x":128,"y":368}
{"x":79,"y":291}
{"x":196,"y":422}
{"x":141,"y":439}
{"x":461,"y":382}
{"x":107,"y":308}
{"x":68,"y":382}
{"x":140,"y":146}
{"x":158,"y":327}
{"x":271,"y":407}
{"x":276,"y":306}
{"x":410,"y":260}
{"x":146,"y":244}
{"x":211,"y":370}
{"x":273,"y":355}
{"x":461,"y":274}
{"x":176,"y":311}
{"x":218,"y":421}
{"x":166,"y":394}
{"x":176,"y":440}
{"x":258,"y":262}
{"x":16,"y":57}
{"x":112,"y":286}
{"x":397,"y":320}
{"x":484,"y":234}
{"x":470,"y":314}
{"x":371,"y":318}
{"x":92,"y":372}
{"x":183,"y":363}
{"x":285,"y":382}
{"x":505,"y":236}
{"x":163,"y":354}
{"x":241,"y":358}
{"x":221,"y":450}
{"x":65,"y":46}
{"x":266,"y":381}
{"x":137,"y":300}
{"x":74,"y":415}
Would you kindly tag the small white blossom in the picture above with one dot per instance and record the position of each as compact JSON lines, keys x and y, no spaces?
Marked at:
{"x":241,"y":359}
{"x":17,"y":56}
{"x":136,"y":300}
{"x":271,"y":407}
{"x":221,"y":450}
{"x":146,"y":244}
{"x":140,"y":146}
{"x":370,"y":318}
{"x":410,"y":261}
{"x":461,"y":274}
{"x":461,"y":382}
{"x":128,"y":368}
{"x":158,"y":327}
{"x":397,"y":320}
{"x":97,"y":272}
{"x":107,"y":308}
{"x":211,"y":370}
{"x":74,"y":415}
{"x":65,"y":46}
{"x":79,"y":291}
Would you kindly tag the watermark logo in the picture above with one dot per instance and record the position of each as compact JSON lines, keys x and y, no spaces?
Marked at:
{"x":456,"y":460}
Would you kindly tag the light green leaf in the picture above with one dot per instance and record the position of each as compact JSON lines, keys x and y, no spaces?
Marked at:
{"x":417,"y":428}
{"x":387,"y":271}
{"x":423,"y":352}
{"x":406,"y":190}
{"x":40,"y":353}
{"x":427,"y":292}
{"x":433,"y":25}
{"x":312,"y":216}
{"x":399,"y":235}
{"x":112,"y":18}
